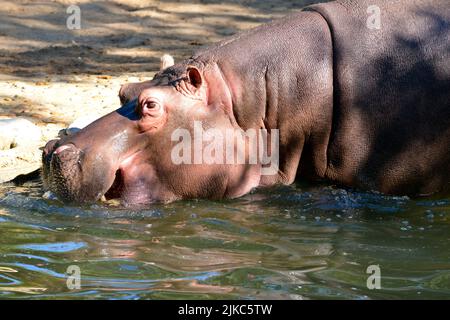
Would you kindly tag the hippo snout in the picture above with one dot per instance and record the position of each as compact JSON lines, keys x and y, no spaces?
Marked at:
{"x":75,"y":173}
{"x":61,"y":169}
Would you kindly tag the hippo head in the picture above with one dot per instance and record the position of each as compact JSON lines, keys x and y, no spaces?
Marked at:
{"x":129,"y":153}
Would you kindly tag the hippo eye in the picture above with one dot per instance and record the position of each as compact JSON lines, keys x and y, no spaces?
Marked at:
{"x":151,"y":105}
{"x":150,"y":108}
{"x":148,"y":105}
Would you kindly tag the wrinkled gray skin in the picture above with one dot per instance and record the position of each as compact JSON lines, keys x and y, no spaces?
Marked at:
{"x":355,"y":106}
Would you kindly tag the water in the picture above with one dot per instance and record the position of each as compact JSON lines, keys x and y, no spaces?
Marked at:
{"x":296,"y":242}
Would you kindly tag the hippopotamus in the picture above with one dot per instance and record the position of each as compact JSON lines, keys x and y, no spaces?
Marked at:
{"x":356,"y":92}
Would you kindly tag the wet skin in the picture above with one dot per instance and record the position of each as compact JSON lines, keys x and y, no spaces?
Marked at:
{"x":354,"y":106}
{"x":133,"y":161}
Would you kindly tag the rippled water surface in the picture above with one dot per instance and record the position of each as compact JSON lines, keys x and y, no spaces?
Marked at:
{"x":293,"y":242}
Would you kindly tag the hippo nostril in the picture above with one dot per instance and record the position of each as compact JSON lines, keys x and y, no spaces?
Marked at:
{"x":66,"y":148}
{"x":48,"y":149}
{"x":62,"y":148}
{"x":66,"y":152}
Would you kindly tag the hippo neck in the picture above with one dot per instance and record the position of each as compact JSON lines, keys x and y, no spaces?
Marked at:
{"x":280,"y":77}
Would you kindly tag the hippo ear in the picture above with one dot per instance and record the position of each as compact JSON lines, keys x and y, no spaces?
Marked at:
{"x":195,"y":77}
{"x":166,"y":61}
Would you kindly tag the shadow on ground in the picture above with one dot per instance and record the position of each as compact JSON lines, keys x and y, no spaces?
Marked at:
{"x":120,"y":36}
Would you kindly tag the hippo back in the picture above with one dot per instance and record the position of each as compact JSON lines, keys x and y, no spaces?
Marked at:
{"x":391,"y":116}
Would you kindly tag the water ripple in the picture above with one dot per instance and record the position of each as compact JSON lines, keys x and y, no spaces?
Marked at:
{"x":294,"y":242}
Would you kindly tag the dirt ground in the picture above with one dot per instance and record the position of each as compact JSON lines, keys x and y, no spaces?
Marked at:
{"x":52,"y":75}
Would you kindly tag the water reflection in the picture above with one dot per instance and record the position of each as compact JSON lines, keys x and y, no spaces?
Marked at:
{"x":294,"y":242}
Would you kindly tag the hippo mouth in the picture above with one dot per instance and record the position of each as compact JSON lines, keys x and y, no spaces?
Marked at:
{"x":117,"y":188}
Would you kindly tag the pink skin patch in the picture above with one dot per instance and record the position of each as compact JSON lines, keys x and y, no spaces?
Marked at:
{"x":61,"y":149}
{"x":134,"y":182}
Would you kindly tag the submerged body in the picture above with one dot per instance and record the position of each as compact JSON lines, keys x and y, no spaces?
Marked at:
{"x":353,"y":105}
